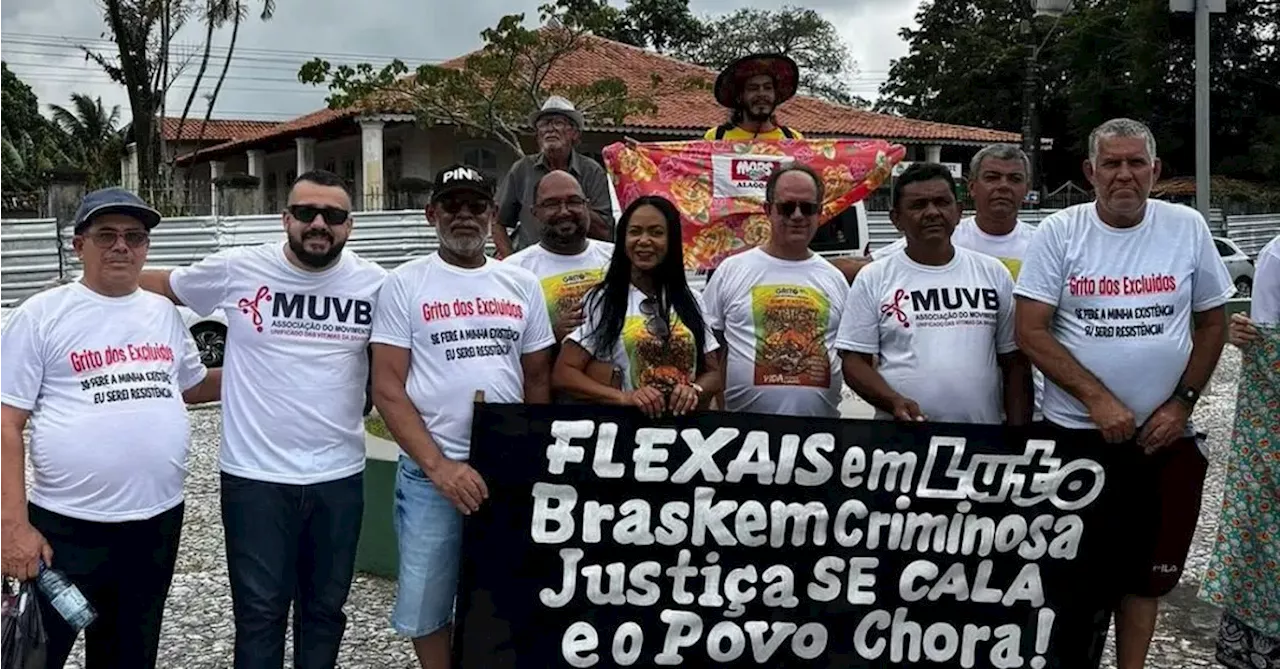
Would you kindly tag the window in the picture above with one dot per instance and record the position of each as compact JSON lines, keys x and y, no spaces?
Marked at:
{"x":331,"y":165}
{"x":1224,"y":249}
{"x":482,"y":158}
{"x":349,"y":170}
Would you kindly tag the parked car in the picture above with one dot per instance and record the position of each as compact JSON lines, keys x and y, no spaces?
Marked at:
{"x":1238,"y":263}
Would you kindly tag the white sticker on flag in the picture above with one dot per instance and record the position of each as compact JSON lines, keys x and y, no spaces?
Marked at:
{"x":743,"y":175}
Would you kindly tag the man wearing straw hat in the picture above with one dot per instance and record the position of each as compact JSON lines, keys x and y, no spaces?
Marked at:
{"x":754,"y":87}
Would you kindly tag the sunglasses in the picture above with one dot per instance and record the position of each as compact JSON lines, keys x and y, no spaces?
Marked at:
{"x":305,"y":213}
{"x":789,"y":208}
{"x":476,"y":207}
{"x":654,"y":322}
{"x":133,"y":238}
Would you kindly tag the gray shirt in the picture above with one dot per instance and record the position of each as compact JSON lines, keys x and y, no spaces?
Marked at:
{"x":516,"y":197}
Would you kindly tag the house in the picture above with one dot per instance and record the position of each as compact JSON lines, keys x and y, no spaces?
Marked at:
{"x":195,"y":136}
{"x":374,"y":150}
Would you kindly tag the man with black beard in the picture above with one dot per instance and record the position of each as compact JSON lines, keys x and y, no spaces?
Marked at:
{"x":299,"y":316}
{"x":447,"y":325}
{"x":754,"y":87}
{"x":566,"y":262}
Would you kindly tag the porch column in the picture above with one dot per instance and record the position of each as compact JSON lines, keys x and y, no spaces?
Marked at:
{"x":306,"y":150}
{"x":371,"y":148}
{"x":258,"y":168}
{"x":933,"y":153}
{"x":216,"y":169}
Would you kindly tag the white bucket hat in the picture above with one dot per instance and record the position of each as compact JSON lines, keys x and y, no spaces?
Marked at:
{"x":557,"y":105}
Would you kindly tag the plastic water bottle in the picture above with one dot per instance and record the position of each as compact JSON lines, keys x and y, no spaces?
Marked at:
{"x":66,"y":598}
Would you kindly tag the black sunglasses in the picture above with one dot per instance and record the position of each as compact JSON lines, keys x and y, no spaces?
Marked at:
{"x":476,"y":207}
{"x":654,"y":323}
{"x":789,"y":208}
{"x":305,"y":213}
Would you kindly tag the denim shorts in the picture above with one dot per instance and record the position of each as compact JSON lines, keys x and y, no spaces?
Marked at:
{"x":429,"y":535}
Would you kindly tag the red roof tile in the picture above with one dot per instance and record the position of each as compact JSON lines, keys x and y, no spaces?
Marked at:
{"x":679,"y":110}
{"x":219,"y":129}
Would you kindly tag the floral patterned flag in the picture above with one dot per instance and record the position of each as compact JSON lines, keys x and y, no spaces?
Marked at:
{"x":718,"y":186}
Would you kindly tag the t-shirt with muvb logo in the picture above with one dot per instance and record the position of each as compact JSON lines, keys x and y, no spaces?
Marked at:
{"x":103,"y":379}
{"x":1124,"y":299}
{"x":937,"y":331}
{"x":294,"y":374}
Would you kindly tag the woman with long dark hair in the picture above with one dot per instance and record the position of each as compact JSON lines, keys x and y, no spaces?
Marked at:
{"x":644,"y":320}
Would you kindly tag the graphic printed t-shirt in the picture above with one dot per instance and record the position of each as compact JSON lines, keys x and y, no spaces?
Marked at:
{"x":103,"y":379}
{"x":296,"y":362}
{"x":779,"y":319}
{"x":937,"y":331}
{"x":646,"y":358}
{"x":1124,"y":300}
{"x":565,"y":279}
{"x":1265,"y":307}
{"x":466,"y":330}
{"x":1009,"y":249}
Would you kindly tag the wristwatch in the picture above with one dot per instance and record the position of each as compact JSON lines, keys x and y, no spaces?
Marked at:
{"x":1186,"y":394}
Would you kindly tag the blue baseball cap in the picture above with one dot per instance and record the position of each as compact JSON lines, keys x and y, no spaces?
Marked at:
{"x":114,"y":200}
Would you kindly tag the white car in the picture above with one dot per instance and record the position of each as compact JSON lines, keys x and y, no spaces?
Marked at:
{"x":1238,"y":263}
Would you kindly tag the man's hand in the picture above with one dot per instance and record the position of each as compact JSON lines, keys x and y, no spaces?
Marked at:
{"x":1165,"y":426}
{"x":567,"y":321}
{"x":23,"y":547}
{"x":683,"y":400}
{"x":648,"y":399}
{"x":1112,"y":417}
{"x":905,"y":408}
{"x":460,"y":484}
{"x":1242,"y":332}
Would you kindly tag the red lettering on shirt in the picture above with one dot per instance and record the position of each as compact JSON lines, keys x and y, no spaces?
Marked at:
{"x":436,"y":310}
{"x":89,"y":359}
{"x":1108,"y":286}
{"x":496,"y":307}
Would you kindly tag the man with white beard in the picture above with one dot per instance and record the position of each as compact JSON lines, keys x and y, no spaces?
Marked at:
{"x":452,"y":323}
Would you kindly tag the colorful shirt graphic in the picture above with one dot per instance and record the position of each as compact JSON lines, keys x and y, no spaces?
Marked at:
{"x":564,"y":291}
{"x":790,"y":332}
{"x":656,"y":361}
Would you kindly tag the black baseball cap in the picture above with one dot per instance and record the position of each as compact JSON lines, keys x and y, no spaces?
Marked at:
{"x":114,"y":200}
{"x":459,"y":177}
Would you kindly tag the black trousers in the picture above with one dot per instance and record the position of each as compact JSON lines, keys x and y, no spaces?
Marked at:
{"x":124,"y":570}
{"x":290,"y":544}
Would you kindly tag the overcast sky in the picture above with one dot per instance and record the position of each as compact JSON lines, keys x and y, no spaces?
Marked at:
{"x":40,"y":36}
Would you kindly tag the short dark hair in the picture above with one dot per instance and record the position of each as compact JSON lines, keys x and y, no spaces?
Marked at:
{"x":771,"y":186}
{"x":919,"y":172}
{"x":322,"y":178}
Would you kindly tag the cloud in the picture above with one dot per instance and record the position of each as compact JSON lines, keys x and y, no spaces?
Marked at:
{"x":262,"y":80}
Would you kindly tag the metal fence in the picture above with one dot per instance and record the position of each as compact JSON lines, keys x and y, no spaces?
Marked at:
{"x":1252,"y":232}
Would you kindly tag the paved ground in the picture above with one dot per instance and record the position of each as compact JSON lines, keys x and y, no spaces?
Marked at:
{"x":198,"y":626}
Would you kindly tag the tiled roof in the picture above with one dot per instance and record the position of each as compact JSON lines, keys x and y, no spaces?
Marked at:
{"x":681,"y":110}
{"x":219,"y":129}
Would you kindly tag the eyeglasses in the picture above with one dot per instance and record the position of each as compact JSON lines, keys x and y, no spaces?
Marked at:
{"x":305,"y":213}
{"x":654,"y":322}
{"x":556,"y":124}
{"x":476,"y":207}
{"x":132,"y":238}
{"x":555,"y":205}
{"x":789,"y":208}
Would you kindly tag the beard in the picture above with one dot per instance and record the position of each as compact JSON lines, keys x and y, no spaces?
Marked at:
{"x":315,"y":260}
{"x":550,"y":230}
{"x":463,"y":245}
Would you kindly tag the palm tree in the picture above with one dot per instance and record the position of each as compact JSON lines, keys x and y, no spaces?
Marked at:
{"x":95,"y":137}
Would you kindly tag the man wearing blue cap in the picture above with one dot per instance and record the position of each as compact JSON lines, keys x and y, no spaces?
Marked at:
{"x":102,"y":369}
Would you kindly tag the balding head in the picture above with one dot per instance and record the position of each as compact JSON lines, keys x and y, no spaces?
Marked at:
{"x":563,"y":209}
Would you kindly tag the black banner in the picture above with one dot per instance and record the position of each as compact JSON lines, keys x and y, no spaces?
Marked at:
{"x":736,"y":540}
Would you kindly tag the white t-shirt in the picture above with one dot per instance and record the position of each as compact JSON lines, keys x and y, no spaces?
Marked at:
{"x":565,"y":279}
{"x":645,"y":357}
{"x":779,"y":319}
{"x":1010,"y":249}
{"x":1124,"y":300}
{"x":1265,"y":305}
{"x":937,"y":331}
{"x":103,"y":379}
{"x":466,"y":330}
{"x":296,"y":362}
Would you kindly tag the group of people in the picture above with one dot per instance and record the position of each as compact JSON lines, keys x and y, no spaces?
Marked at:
{"x":1117,"y":304}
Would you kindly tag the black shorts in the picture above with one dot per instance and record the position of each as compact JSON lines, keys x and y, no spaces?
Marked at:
{"x":1165,"y":493}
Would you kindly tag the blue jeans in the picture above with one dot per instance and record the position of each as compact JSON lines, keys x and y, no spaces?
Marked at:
{"x":429,"y":535}
{"x":290,"y":544}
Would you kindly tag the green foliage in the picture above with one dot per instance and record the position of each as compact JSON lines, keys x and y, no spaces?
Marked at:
{"x":30,"y":144}
{"x":1105,"y":58}
{"x":95,"y":142}
{"x":497,"y":87}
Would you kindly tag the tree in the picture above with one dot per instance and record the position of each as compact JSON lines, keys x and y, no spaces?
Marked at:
{"x":94,"y":137}
{"x":665,"y":26}
{"x":826,"y":67}
{"x":497,"y":87}
{"x":29,"y":143}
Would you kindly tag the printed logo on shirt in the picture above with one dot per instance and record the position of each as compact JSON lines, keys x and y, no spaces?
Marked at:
{"x":135,"y":376}
{"x":657,"y":361}
{"x":1014,"y":265}
{"x":790,"y":334}
{"x":564,"y":291}
{"x":1148,"y":319}
{"x":308,"y":316}
{"x":470,"y":342}
{"x":944,"y":307}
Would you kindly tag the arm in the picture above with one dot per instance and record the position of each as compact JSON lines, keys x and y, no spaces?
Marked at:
{"x":508,"y":211}
{"x":390,"y":373}
{"x":23,"y":544}
{"x":569,"y":375}
{"x":686,"y":398}
{"x":502,"y":241}
{"x":596,"y":187}
{"x":202,"y":287}
{"x":1208,"y":336}
{"x":723,"y":354}
{"x":198,"y":383}
{"x":1019,"y":391}
{"x":1034,"y":327}
{"x":865,"y":380}
{"x":157,"y":281}
{"x":600,"y":228}
{"x":858,"y":341}
{"x":537,"y":376}
{"x":208,"y":390}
